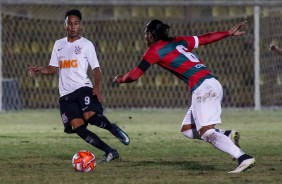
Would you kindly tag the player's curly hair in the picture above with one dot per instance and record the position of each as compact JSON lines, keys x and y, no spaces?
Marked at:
{"x":159,"y":30}
{"x":73,"y":12}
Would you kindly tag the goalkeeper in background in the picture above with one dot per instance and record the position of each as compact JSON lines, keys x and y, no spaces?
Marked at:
{"x":175,"y":55}
{"x":80,"y":101}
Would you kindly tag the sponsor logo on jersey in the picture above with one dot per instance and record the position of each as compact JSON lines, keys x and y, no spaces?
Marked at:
{"x":77,"y":50}
{"x":68,"y":63}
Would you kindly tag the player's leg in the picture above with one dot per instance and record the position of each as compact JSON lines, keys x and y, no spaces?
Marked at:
{"x":189,"y":130}
{"x":223,"y":143}
{"x":91,"y":138}
{"x":81,"y":129}
{"x":101,"y":121}
{"x":206,"y":108}
{"x":71,"y":114}
{"x":93,"y":114}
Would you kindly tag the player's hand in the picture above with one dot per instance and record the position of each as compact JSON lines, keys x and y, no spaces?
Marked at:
{"x":96,"y":91}
{"x":273,"y":46}
{"x":33,"y":70}
{"x":236,"y":30}
{"x":118,"y":79}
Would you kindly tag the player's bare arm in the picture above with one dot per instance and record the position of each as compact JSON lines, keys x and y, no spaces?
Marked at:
{"x":131,"y":76}
{"x":96,"y":72}
{"x":134,"y":74}
{"x":216,"y":36}
{"x":49,"y":70}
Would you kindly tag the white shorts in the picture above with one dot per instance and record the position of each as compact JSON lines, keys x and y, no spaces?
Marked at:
{"x":206,"y":105}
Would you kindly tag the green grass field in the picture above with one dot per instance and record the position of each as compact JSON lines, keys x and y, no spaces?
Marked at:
{"x":35,"y":150}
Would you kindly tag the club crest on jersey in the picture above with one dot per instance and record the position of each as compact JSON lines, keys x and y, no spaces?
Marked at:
{"x":77,"y":49}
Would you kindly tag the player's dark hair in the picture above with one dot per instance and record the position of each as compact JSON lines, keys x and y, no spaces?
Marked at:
{"x":73,"y":12}
{"x":159,"y":30}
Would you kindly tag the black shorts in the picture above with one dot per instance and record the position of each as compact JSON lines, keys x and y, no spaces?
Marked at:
{"x":73,"y":105}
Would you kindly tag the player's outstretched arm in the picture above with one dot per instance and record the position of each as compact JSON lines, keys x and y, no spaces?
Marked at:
{"x":131,"y":76}
{"x":134,"y":74}
{"x":216,"y":36}
{"x":49,"y":70}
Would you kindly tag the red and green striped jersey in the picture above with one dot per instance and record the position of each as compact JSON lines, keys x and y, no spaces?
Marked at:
{"x":176,"y":56}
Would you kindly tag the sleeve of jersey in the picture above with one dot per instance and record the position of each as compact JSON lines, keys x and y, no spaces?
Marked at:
{"x":212,"y":37}
{"x":137,"y":72}
{"x":92,"y":56}
{"x":54,"y":61}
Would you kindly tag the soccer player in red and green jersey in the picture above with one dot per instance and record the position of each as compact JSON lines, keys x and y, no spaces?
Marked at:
{"x":175,"y":55}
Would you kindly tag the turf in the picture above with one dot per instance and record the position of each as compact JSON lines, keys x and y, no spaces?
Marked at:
{"x":34,"y":149}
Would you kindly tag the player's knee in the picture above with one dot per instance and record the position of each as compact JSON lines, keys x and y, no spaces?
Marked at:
{"x":101,"y":121}
{"x":80,"y":129}
{"x":208,"y":135}
{"x":205,"y":129}
{"x":186,"y":127}
{"x":89,"y":114}
{"x":75,"y":123}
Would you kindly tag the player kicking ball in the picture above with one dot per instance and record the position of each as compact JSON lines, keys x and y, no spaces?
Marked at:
{"x":175,"y":55}
{"x":80,"y":100}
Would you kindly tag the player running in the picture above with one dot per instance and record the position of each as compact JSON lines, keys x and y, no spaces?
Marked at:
{"x":80,"y":101}
{"x":175,"y":55}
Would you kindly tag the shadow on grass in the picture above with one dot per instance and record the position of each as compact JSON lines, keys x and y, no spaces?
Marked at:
{"x":184,"y":165}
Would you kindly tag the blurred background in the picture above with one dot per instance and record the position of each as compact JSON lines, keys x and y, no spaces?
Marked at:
{"x":250,"y":74}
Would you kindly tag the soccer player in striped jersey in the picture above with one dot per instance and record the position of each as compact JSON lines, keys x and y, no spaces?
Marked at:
{"x":175,"y":55}
{"x":80,"y":100}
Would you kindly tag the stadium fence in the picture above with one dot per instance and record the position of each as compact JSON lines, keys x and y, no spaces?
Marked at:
{"x":250,"y":74}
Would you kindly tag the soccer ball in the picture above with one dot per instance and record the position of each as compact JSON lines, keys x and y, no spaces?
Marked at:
{"x":84,"y":161}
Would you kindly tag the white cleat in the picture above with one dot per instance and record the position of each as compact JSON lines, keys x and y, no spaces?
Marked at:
{"x":114,"y":155}
{"x":244,"y":165}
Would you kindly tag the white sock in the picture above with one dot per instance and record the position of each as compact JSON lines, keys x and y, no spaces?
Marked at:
{"x":191,"y":134}
{"x":222,"y":142}
{"x":194,"y":134}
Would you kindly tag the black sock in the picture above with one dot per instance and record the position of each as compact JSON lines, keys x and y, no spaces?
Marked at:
{"x":92,"y":139}
{"x":101,"y":121}
{"x":243,"y":157}
{"x":227,"y":132}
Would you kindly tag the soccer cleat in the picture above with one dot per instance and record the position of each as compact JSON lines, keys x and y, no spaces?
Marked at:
{"x":113,"y":155}
{"x":120,"y":134}
{"x":246,"y":163}
{"x":235,"y":137}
